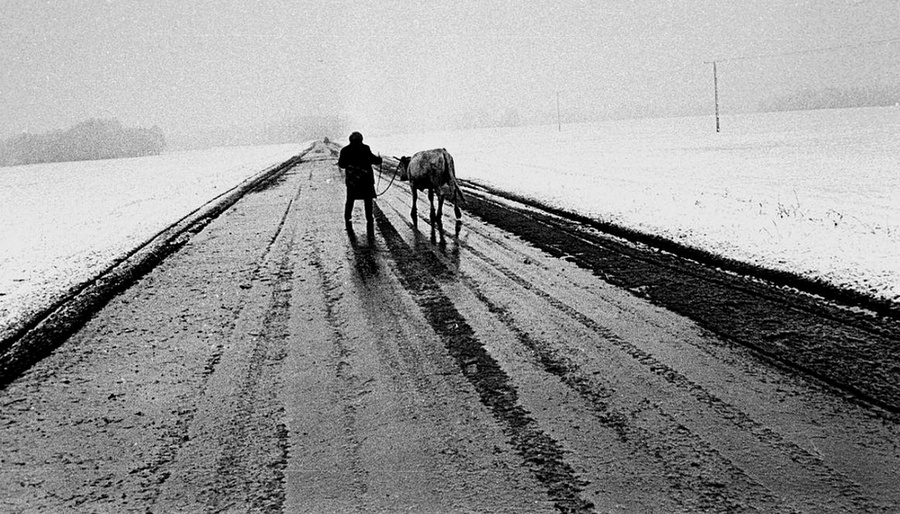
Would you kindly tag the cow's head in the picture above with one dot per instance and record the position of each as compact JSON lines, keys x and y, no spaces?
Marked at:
{"x":403,"y":166}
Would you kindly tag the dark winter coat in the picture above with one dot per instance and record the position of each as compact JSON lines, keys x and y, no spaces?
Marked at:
{"x":357,"y":159}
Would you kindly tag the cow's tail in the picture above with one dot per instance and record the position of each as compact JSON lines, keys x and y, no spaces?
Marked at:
{"x":458,"y":197}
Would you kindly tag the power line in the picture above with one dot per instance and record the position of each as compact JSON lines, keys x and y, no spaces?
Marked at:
{"x":810,"y":51}
{"x":783,"y":54}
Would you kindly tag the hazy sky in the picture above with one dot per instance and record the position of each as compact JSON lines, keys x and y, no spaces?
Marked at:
{"x":189,"y":64}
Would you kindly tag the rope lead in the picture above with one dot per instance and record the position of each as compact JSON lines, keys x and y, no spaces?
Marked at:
{"x":389,"y":183}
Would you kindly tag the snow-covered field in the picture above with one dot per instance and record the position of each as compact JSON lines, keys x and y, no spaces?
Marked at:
{"x":64,"y":223}
{"x":812,"y":192}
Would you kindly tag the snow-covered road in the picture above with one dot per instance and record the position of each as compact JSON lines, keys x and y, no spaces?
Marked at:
{"x":279,"y":362}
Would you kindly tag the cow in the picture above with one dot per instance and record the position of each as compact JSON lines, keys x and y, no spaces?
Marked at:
{"x":432,"y":170}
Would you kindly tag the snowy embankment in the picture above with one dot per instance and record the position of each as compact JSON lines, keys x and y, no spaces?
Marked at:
{"x":64,"y":223}
{"x":816,"y":193}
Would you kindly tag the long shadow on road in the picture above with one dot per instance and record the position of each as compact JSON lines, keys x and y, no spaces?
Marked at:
{"x":543,"y":455}
{"x":857,"y":353}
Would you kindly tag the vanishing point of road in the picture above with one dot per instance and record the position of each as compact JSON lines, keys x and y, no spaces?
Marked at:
{"x":278,"y":362}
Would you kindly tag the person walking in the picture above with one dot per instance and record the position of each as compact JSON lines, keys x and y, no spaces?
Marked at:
{"x":356,"y":159}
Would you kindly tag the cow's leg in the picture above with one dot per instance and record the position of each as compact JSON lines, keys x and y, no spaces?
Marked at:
{"x":440,"y":219}
{"x":413,"y":212}
{"x":440,"y":209}
{"x":457,"y":211}
{"x":431,"y":203}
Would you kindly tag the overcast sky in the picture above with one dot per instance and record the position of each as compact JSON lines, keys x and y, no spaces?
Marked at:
{"x":185,"y":65}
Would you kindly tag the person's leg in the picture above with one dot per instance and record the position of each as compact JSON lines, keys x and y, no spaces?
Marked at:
{"x":370,"y":218}
{"x":348,"y":208}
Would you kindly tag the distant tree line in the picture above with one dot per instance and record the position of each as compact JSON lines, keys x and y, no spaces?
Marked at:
{"x":834,"y":98}
{"x":89,"y":140}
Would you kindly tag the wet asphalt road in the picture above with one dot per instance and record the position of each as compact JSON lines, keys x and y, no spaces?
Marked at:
{"x":281,"y":363}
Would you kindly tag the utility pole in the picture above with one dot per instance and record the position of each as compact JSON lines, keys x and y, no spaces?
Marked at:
{"x":716,"y":93}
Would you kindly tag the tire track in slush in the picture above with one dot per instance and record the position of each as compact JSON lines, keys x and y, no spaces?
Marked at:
{"x":847,"y":488}
{"x":403,"y":365}
{"x":154,"y":474}
{"x":794,"y":330}
{"x":543,"y":455}
{"x":677,"y":449}
{"x":255,"y":456}
{"x":684,"y":478}
{"x":346,"y":381}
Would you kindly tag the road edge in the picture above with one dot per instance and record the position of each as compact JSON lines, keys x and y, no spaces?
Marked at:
{"x":838,"y":295}
{"x":49,"y":328}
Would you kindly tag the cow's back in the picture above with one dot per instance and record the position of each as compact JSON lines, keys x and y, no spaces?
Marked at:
{"x":429,"y":168}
